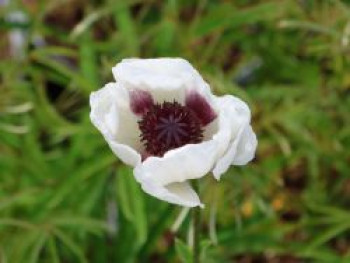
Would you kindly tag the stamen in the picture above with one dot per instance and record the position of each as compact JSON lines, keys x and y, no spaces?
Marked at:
{"x":168,"y":126}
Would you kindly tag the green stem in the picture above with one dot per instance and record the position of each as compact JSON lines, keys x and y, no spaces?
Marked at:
{"x":196,"y":229}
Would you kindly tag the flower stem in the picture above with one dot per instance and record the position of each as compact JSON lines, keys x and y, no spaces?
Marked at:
{"x":196,"y":229}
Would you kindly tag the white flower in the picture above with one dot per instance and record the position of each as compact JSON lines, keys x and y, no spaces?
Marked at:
{"x":161,"y":118}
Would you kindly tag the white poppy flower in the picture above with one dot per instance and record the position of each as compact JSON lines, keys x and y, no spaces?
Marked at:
{"x":161,"y":118}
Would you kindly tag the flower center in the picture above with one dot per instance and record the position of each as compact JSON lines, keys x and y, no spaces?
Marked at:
{"x":168,"y":126}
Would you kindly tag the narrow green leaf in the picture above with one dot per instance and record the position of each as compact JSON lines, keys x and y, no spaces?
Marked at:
{"x":183,"y":251}
{"x":71,"y":181}
{"x":131,"y":202}
{"x":85,"y":86}
{"x":328,"y":234}
{"x":164,"y":40}
{"x":126,"y":26}
{"x":204,"y":247}
{"x":91,"y":225}
{"x":53,"y":250}
{"x":38,"y":247}
{"x":75,"y":248}
{"x":16,"y":223}
{"x":88,"y":60}
{"x":227,"y":16}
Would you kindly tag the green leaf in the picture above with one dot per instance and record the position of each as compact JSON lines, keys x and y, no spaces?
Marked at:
{"x":126,"y":26}
{"x":53,"y":250}
{"x":38,"y":247}
{"x":24,"y":246}
{"x":204,"y":247}
{"x":16,"y":223}
{"x":71,"y":181}
{"x":75,"y":248}
{"x":131,"y":202}
{"x":164,"y":40}
{"x":157,"y":228}
{"x":88,"y":60}
{"x":183,"y":251}
{"x":50,"y":62}
{"x":91,"y":225}
{"x":327,"y":235}
{"x":227,"y":16}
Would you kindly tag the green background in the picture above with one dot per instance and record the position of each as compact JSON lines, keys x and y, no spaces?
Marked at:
{"x":64,"y":197}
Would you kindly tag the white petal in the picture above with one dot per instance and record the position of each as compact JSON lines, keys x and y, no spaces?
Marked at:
{"x":233,"y":113}
{"x":226,"y":160}
{"x":243,"y":141}
{"x":188,"y":162}
{"x":125,"y":153}
{"x":175,"y":193}
{"x":246,"y":147}
{"x":165,"y":78}
{"x":162,"y":73}
{"x":239,"y":110}
{"x":111,"y":114}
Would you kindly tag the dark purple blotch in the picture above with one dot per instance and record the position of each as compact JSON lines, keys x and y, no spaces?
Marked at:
{"x":199,"y":105}
{"x":140,"y":101}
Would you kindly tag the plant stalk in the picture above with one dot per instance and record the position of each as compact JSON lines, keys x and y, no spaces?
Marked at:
{"x":196,"y":220}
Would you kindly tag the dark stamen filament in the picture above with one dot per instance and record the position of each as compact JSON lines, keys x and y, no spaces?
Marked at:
{"x":168,"y":126}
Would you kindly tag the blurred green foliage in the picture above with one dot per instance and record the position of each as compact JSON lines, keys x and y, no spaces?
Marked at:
{"x":64,"y":197}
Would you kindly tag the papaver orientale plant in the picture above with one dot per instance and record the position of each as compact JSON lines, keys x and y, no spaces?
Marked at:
{"x":161,"y":118}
